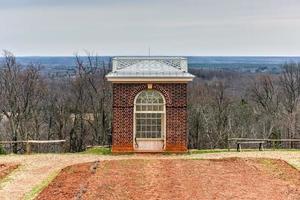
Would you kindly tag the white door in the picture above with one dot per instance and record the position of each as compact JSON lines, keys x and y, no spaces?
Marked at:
{"x":149,"y":119}
{"x":149,"y":145}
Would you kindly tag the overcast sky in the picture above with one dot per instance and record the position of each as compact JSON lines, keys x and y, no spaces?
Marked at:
{"x":168,"y":27}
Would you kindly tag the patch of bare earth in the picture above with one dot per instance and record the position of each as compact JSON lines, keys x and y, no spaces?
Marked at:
{"x":232,"y":178}
{"x":6,"y":169}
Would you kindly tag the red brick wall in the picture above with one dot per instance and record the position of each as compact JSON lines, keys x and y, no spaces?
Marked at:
{"x":176,"y":114}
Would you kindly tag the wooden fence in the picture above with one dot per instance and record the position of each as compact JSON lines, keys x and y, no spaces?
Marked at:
{"x":271,"y":143}
{"x":29,"y":146}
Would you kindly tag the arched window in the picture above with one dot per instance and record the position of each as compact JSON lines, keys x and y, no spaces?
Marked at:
{"x":149,"y":114}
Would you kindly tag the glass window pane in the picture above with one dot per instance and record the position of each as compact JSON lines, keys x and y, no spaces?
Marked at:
{"x":154,"y":128}
{"x":138,"y":108}
{"x":155,"y":108}
{"x":149,"y":97}
{"x":148,"y":121}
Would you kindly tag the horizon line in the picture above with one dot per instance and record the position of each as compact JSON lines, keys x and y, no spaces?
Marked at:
{"x":41,"y":56}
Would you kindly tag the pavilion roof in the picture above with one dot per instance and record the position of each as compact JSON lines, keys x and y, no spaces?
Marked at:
{"x":140,"y":68}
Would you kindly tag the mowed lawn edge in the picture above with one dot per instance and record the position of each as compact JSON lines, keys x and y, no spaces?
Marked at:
{"x":9,"y":173}
{"x":36,"y":190}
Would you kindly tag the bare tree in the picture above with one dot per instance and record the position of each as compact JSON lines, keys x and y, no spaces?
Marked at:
{"x":290,"y":93}
{"x":265,"y":94}
{"x":98,"y":91}
{"x":20,"y":92}
{"x":209,"y":115}
{"x":90,"y":104}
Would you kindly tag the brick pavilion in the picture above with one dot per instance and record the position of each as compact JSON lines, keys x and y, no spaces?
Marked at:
{"x":149,"y":104}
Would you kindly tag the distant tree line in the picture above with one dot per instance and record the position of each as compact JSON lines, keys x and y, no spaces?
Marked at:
{"x":75,"y":108}
{"x":79,"y":108}
{"x":233,"y":105}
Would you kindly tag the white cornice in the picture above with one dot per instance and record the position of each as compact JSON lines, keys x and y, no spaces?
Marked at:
{"x":150,"y":80}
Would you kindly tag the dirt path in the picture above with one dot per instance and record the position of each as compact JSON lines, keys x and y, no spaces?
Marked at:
{"x":6,"y":169}
{"x":33,"y":170}
{"x":161,"y":179}
{"x":36,"y":168}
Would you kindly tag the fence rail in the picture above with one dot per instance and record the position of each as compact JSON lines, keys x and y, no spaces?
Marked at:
{"x":32,"y":141}
{"x":267,"y":140}
{"x":29,"y":143}
{"x":272,"y":142}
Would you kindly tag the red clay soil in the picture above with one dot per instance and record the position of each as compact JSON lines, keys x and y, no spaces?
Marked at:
{"x":5,"y":169}
{"x":177,"y":179}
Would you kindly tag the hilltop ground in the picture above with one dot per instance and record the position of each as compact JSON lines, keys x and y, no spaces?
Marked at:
{"x":231,"y":178}
{"x":36,"y":171}
{"x":6,"y":169}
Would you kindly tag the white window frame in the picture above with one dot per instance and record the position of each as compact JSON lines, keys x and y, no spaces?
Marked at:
{"x":163,"y":128}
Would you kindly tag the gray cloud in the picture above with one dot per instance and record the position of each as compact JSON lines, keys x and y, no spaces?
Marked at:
{"x":191,"y":27}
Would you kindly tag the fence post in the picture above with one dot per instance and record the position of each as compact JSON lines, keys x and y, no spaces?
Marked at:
{"x":28,"y":147}
{"x":228,"y":145}
{"x":62,"y":147}
{"x":273,"y":145}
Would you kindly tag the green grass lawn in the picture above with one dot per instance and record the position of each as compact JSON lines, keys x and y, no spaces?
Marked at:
{"x":98,"y":151}
{"x":107,"y":151}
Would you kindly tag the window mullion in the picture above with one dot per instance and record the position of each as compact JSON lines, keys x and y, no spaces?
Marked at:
{"x":149,"y":114}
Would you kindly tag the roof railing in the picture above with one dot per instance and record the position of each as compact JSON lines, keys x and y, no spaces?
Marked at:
{"x":125,"y":61}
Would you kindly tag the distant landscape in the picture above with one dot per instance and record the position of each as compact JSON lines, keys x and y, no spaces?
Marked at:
{"x":70,"y":99}
{"x":154,"y":100}
{"x":61,"y":66}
